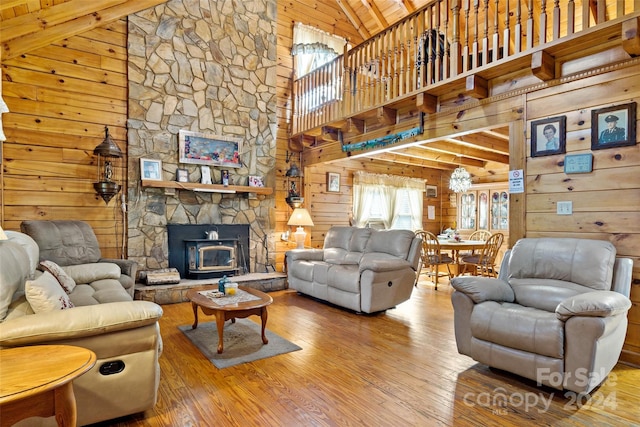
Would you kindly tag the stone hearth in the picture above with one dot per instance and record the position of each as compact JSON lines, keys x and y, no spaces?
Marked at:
{"x":170,"y":294}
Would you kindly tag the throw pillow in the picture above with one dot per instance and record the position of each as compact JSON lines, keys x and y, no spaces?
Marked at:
{"x":66,"y":281}
{"x":45,"y":294}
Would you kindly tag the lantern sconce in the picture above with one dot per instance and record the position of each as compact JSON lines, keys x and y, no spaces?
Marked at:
{"x":293,"y":181}
{"x":108,"y":154}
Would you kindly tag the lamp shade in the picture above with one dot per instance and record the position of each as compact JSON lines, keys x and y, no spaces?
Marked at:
{"x":3,"y":235}
{"x":300,"y":218}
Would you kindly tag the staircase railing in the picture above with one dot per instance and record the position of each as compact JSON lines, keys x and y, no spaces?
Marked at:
{"x":435,"y":44}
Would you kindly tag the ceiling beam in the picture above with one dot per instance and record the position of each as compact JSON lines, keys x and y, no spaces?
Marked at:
{"x":51,"y":16}
{"x":409,"y":7}
{"x":410,"y":161}
{"x":376,"y":14}
{"x":475,"y":153}
{"x":437,"y":156}
{"x":353,"y":18}
{"x":13,"y":47}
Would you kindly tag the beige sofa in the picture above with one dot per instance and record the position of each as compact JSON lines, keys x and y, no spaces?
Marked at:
{"x":557,"y":314}
{"x":124,"y":334}
{"x":361,"y":269}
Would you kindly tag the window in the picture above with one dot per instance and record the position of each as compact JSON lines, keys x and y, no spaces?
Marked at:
{"x":387,"y":201}
{"x":313,"y":48}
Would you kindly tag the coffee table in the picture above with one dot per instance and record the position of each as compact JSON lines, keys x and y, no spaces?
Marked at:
{"x":36,"y":381}
{"x":256,"y":307}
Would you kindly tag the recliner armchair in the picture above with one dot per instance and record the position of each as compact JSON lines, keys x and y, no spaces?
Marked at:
{"x":557,"y":313}
{"x":73,"y":242}
{"x":123,"y":333}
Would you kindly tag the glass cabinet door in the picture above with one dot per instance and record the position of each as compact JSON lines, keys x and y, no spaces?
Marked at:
{"x":483,"y":210}
{"x":499,"y":210}
{"x":468,"y":211}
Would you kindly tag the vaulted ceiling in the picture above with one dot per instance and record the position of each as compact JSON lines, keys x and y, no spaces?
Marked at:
{"x":30,"y":24}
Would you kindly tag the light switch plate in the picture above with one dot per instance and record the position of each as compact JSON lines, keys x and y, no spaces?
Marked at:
{"x":565,"y":208}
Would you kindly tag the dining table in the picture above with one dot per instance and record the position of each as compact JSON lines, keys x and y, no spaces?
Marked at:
{"x":462,"y":245}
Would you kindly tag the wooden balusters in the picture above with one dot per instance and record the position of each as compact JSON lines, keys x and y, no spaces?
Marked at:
{"x":530,"y":25}
{"x":485,"y":38}
{"x":556,"y":19}
{"x":571,"y":17}
{"x":506,"y":33}
{"x":543,"y":22}
{"x":517,"y":48}
{"x":465,"y":45}
{"x":440,"y":41}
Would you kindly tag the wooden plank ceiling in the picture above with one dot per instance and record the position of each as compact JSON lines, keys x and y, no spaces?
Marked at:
{"x":30,"y":24}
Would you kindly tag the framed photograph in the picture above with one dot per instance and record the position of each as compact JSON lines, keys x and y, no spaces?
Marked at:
{"x":151,"y":169}
{"x":255,"y":181}
{"x":431,"y":191}
{"x":224,"y":177}
{"x":211,"y":150}
{"x":613,"y":126}
{"x":333,"y":182}
{"x":182,"y":175}
{"x":548,"y":136}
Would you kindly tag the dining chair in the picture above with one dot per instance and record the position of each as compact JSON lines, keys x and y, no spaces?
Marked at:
{"x":483,"y":263}
{"x":476,"y":235}
{"x":432,"y":257}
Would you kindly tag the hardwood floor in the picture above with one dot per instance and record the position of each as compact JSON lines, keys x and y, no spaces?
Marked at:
{"x":400,"y":367}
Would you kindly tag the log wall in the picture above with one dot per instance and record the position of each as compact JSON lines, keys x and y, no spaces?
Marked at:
{"x":606,"y":202}
{"x":60,"y":98}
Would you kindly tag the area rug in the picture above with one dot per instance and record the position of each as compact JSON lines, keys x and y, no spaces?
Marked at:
{"x":242,"y":342}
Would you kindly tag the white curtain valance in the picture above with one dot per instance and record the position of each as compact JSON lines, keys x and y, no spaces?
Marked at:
{"x":365,"y":178}
{"x":308,"y":39}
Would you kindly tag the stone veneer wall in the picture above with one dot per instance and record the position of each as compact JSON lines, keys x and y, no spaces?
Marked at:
{"x":206,"y":66}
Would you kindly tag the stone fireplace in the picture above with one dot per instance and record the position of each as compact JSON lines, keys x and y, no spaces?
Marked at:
{"x":195,"y":66}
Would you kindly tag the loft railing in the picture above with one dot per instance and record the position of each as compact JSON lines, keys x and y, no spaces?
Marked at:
{"x":435,"y":44}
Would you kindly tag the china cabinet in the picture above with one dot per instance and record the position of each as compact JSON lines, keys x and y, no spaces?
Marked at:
{"x":484,"y":207}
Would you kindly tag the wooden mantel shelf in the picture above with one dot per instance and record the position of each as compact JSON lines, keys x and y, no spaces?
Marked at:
{"x":208,"y":188}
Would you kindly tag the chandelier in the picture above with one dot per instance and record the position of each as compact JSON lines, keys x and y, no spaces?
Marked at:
{"x":460,"y":180}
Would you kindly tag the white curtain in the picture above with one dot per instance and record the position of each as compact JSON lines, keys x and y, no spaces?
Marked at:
{"x":313,"y":47}
{"x":368,"y":187}
{"x":3,"y":109}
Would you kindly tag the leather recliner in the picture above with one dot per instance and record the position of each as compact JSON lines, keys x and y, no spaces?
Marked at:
{"x":557,"y":313}
{"x":123,"y":333}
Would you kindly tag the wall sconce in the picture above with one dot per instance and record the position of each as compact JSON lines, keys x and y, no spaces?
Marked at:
{"x":108,"y":154}
{"x":294,"y":181}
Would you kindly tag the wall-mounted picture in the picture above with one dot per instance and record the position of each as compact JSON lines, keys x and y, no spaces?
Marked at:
{"x":548,"y":136}
{"x":204,"y":149}
{"x":182,"y":175}
{"x":333,"y":182}
{"x":151,"y":169}
{"x":613,"y":126}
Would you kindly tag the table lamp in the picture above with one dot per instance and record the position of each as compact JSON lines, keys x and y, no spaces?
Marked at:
{"x":300,"y":218}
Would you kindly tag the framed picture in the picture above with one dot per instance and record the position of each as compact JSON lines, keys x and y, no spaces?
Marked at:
{"x":204,"y":149}
{"x":151,"y":169}
{"x":224,"y":177}
{"x":548,"y":136}
{"x":255,"y":181}
{"x":333,"y":182}
{"x":431,"y":191}
{"x":182,"y":175}
{"x":613,"y":126}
